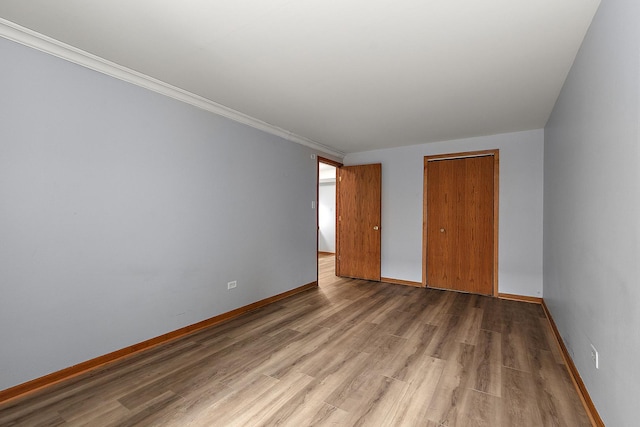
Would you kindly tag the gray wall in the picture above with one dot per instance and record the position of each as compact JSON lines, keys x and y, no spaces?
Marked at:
{"x":592,"y":211}
{"x":327,"y":217}
{"x":124,"y":213}
{"x":520,"y":216}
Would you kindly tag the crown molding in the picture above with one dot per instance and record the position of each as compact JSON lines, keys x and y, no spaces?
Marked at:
{"x":35,"y":40}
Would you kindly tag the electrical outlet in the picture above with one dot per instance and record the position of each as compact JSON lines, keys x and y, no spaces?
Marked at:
{"x":594,"y":357}
{"x":232,"y":285}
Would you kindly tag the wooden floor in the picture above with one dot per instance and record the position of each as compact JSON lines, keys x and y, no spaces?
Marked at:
{"x":348,"y":353}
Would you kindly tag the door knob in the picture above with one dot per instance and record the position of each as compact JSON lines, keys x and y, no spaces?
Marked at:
{"x":442,"y":230}
{"x":375,"y":227}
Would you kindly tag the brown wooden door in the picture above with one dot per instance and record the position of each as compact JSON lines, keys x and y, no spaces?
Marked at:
{"x":460,"y":224}
{"x":358,"y":226}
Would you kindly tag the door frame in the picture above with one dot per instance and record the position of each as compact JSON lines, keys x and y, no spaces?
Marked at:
{"x":496,"y":196}
{"x":337,"y":165}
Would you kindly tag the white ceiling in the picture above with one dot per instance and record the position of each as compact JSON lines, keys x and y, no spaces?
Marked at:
{"x":353,"y":75}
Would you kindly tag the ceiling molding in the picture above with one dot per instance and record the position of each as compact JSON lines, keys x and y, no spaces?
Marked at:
{"x":30,"y":38}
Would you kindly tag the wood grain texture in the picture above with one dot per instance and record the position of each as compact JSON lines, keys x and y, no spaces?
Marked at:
{"x":101,"y":361}
{"x":460,"y":222}
{"x":359,"y":193}
{"x":348,"y":353}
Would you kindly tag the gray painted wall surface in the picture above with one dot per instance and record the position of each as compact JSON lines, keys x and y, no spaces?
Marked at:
{"x":592,"y":211}
{"x":327,"y":217}
{"x":520,"y":228}
{"x":124,"y":213}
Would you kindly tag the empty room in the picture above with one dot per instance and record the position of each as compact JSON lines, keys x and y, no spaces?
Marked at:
{"x":255,"y":213}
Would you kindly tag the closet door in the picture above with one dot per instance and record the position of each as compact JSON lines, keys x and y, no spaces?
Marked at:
{"x":460,"y":223}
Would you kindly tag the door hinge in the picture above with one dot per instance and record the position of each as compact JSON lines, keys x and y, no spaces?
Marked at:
{"x":340,"y":178}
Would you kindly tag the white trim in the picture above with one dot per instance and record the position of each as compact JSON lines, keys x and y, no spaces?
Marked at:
{"x":30,"y":38}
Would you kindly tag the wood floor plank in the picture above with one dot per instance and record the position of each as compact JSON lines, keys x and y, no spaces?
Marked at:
{"x":240,"y":366}
{"x":337,"y":369}
{"x":306,"y":401}
{"x":296,"y":354}
{"x":439,"y":311}
{"x":450,"y":392}
{"x":350,"y":352}
{"x":59,"y":396}
{"x":110,"y":413}
{"x":515,"y":353}
{"x":487,"y":365}
{"x":384,"y":347}
{"x":534,"y":335}
{"x":471,"y":319}
{"x":85,"y":399}
{"x":147,"y":414}
{"x":407,"y":363}
{"x":519,"y":406}
{"x":36,"y":419}
{"x":193,"y":404}
{"x":224,"y":411}
{"x":342,"y":316}
{"x":443,"y":344}
{"x":492,"y":317}
{"x":551,"y":340}
{"x":272,"y":323}
{"x":333,"y":385}
{"x":329,"y":310}
{"x":480,"y":410}
{"x":460,"y":304}
{"x":320,"y":414}
{"x":382,"y":398}
{"x":417,"y":302}
{"x":351,"y":385}
{"x":210,"y":365}
{"x":358,"y":337}
{"x":413,"y":407}
{"x":555,"y":409}
{"x":276,"y":397}
{"x":514,"y":311}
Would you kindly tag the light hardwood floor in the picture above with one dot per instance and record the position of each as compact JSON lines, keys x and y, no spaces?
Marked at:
{"x":348,"y":353}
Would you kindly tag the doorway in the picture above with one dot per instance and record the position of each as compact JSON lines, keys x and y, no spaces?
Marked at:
{"x":356,"y":219}
{"x":326,"y":209}
{"x":460,"y":231}
{"x":326,"y":219}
